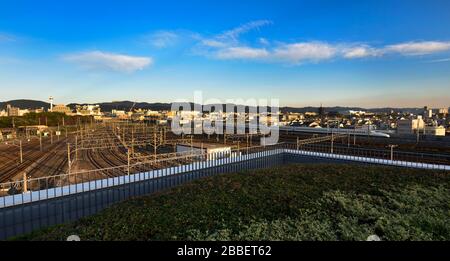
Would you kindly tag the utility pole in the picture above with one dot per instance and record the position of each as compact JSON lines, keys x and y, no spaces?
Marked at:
{"x":76,"y":148}
{"x":417,"y":131}
{"x":40,"y":141}
{"x":201,"y":149}
{"x":332,"y":141}
{"x":128,"y":157}
{"x":132,"y":140}
{"x":68,"y":156}
{"x":165,"y":135}
{"x":25,"y":182}
{"x":154,"y":144}
{"x":392,"y":150}
{"x":20,"y":150}
{"x":348,"y":139}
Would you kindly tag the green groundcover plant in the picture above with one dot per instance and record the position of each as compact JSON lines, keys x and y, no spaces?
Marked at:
{"x":292,"y":202}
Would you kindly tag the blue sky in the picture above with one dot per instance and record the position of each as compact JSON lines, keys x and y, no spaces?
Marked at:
{"x":350,"y":53}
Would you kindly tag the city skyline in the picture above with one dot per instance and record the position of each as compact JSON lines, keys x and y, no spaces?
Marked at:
{"x":304,"y":53}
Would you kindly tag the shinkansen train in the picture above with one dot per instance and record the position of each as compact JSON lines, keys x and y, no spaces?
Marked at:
{"x":357,"y":132}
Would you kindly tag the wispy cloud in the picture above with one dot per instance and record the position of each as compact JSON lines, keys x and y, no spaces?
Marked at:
{"x":360,"y":51}
{"x":439,"y":60}
{"x":4,"y":37}
{"x":264,"y":41}
{"x":242,"y":53}
{"x":315,"y":51}
{"x":234,"y":33}
{"x":98,"y":60}
{"x":162,"y":39}
{"x":300,"y":52}
{"x":10,"y":60}
{"x":418,"y":48}
{"x":227,"y":45}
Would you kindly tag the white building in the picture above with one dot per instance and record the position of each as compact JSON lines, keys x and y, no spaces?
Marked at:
{"x":213,"y":151}
{"x":443,"y":111}
{"x":89,"y":110}
{"x":435,"y":130}
{"x":356,"y":113}
{"x":23,"y":112}
{"x":410,"y":126}
{"x":62,"y":109}
{"x":429,"y":113}
{"x":118,"y":113}
{"x":152,"y":113}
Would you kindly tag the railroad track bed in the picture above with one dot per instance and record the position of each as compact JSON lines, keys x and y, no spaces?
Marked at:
{"x":51,"y":160}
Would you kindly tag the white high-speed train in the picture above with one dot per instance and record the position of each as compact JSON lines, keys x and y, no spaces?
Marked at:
{"x":357,"y":132}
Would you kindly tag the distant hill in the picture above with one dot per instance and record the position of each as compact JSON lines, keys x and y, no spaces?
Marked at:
{"x":344,"y":109}
{"x":25,"y":104}
{"x":127,"y":105}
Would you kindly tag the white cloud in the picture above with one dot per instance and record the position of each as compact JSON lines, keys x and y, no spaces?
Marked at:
{"x":360,"y":52}
{"x":98,"y":60}
{"x":234,"y":34}
{"x":228,"y":46}
{"x":213,"y":43}
{"x":443,"y":60}
{"x":230,"y":38}
{"x":300,"y":52}
{"x":418,"y":48}
{"x":162,"y":39}
{"x":242,"y":53}
{"x":264,"y":41}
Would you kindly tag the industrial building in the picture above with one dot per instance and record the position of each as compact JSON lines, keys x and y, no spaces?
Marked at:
{"x":410,"y":126}
{"x":435,"y":130}
{"x":211,"y":150}
{"x":62,"y":109}
{"x":12,"y":111}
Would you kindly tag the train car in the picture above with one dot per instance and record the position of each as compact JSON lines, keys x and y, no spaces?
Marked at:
{"x":357,"y":132}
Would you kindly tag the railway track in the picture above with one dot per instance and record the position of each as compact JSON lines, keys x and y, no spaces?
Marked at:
{"x":9,"y":170}
{"x":101,"y":162}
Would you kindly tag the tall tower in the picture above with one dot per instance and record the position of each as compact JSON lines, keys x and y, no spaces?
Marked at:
{"x":321,"y":114}
{"x":51,"y":103}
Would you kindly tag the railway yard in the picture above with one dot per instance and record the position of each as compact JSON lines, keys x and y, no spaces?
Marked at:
{"x":96,"y":151}
{"x":112,"y":149}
